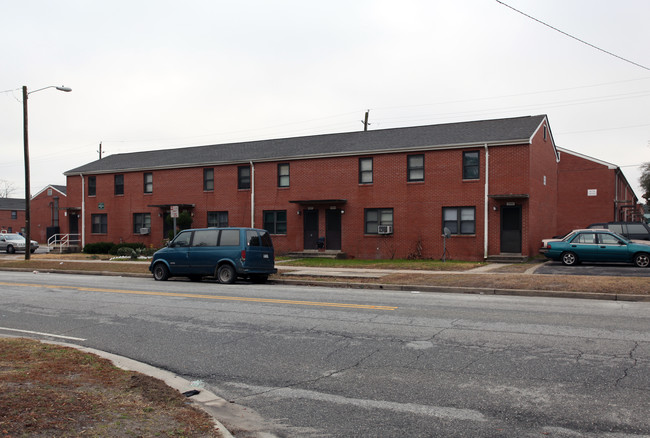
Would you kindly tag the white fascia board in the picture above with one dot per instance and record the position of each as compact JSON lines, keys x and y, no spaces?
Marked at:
{"x":610,"y":166}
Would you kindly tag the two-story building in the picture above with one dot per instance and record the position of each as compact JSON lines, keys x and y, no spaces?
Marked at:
{"x":492,"y":184}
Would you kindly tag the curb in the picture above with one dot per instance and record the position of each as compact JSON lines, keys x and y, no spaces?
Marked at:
{"x":205,"y":400}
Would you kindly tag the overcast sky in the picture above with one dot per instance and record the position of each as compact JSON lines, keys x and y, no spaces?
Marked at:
{"x":152,"y":75}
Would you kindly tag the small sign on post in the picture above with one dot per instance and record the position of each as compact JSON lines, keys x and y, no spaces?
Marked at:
{"x":173,"y":211}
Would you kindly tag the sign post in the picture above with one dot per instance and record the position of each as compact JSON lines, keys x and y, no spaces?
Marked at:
{"x":174,"y":214}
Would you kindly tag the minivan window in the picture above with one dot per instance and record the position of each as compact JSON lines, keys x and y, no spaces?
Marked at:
{"x":266,"y":239}
{"x":636,"y":229}
{"x":617,"y":228}
{"x":252,"y":238}
{"x":205,"y":238}
{"x":183,"y":239}
{"x":229,"y":238}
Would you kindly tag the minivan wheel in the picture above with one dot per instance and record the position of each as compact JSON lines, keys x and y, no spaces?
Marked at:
{"x":160,"y":272}
{"x":642,"y":260}
{"x":226,"y":274}
{"x":259,"y":278}
{"x":569,"y":258}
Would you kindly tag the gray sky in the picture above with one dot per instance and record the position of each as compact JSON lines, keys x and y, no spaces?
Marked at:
{"x":159,"y":74}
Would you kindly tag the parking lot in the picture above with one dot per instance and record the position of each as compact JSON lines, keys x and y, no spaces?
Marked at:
{"x":600,"y":269}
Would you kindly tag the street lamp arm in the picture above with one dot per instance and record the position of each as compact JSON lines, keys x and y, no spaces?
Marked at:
{"x":61,"y":88}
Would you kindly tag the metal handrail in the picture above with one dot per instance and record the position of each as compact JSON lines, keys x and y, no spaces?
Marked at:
{"x":62,"y":241}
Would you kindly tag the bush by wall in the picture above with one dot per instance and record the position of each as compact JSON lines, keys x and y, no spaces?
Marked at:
{"x":98,"y":248}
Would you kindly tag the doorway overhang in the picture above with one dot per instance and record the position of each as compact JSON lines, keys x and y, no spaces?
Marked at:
{"x":509,"y":196}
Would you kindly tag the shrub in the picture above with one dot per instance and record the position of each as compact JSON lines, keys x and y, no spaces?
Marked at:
{"x":98,"y":248}
{"x":125,"y":251}
{"x":134,"y":246}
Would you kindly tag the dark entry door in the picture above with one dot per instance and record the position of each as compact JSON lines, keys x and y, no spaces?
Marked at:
{"x":73,"y":219}
{"x":333,"y":229}
{"x":511,"y":229}
{"x":310,"y":226}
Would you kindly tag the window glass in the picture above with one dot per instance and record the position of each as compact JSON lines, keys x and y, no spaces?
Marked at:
{"x":229,"y":238}
{"x":99,"y":223}
{"x":266,"y":239}
{"x":141,"y":220}
{"x":375,"y":217}
{"x":243,"y":177}
{"x":471,"y":165}
{"x":365,"y":170}
{"x":608,"y":239}
{"x":275,"y":221}
{"x":183,"y":238}
{"x":205,"y":238}
{"x":459,"y":220}
{"x":217,"y":219}
{"x":92,"y":186}
{"x":208,"y":179}
{"x":148,"y":182}
{"x":416,"y":167}
{"x":119,"y":184}
{"x":617,"y":228}
{"x":283,"y":175}
{"x":252,"y":238}
{"x":587,"y":238}
{"x":636,"y":229}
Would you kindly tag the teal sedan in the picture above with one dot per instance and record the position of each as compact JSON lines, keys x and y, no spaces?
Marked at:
{"x":597,"y":246}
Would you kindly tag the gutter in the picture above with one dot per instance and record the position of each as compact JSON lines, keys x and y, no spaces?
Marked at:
{"x":252,"y":194}
{"x":485,"y":203}
{"x":83,"y":211}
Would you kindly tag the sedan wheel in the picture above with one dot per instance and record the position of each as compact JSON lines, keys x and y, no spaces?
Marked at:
{"x":569,"y":258}
{"x":642,"y":260}
{"x":11,"y":249}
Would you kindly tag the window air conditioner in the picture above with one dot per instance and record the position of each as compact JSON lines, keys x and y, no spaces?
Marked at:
{"x":144,"y":230}
{"x":385,"y":229}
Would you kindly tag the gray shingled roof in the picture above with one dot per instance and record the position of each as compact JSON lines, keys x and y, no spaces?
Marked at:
{"x":12,"y":204}
{"x":500,"y":131}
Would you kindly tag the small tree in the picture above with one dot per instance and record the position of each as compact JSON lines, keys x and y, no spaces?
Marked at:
{"x":644,"y":180}
{"x":7,"y":188}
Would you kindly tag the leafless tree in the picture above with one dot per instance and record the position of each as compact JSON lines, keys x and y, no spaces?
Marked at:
{"x":7,"y":188}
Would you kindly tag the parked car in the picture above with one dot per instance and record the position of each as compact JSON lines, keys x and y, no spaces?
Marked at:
{"x":629,"y":230}
{"x":598,"y":245}
{"x":225,"y":253}
{"x":12,"y":242}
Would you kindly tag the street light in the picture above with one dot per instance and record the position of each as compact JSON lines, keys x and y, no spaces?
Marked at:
{"x":28,"y":195}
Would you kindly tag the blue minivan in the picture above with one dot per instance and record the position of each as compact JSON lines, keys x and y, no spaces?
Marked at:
{"x":224,"y":253}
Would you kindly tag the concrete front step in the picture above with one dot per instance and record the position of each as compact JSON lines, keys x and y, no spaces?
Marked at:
{"x":507,"y":258}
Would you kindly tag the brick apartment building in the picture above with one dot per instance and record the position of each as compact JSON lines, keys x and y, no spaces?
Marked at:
{"x":12,"y":215}
{"x":499,"y":187}
{"x":592,"y":191}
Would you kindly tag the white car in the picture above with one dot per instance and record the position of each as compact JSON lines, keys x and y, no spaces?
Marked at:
{"x":12,"y":242}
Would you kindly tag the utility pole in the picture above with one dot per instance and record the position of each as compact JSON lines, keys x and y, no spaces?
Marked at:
{"x":100,"y":150}
{"x":365,"y":121}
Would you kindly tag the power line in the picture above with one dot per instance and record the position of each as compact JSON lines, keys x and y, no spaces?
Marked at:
{"x":571,"y":36}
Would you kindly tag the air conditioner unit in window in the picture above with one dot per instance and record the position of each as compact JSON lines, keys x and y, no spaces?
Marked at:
{"x":385,"y":229}
{"x":144,"y":230}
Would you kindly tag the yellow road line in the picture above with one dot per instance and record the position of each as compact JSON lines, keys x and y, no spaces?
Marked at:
{"x":209,"y":297}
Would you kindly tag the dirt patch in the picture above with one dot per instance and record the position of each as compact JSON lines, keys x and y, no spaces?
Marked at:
{"x":49,"y":390}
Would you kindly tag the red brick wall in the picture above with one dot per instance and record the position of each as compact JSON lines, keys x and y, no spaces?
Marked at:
{"x":7,"y":223}
{"x":576,"y":177}
{"x":41,"y":215}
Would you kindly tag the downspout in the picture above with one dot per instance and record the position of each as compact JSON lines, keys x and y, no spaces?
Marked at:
{"x":252,"y":194}
{"x":485,"y":206}
{"x":83,"y":211}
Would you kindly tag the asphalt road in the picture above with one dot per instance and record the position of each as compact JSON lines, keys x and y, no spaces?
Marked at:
{"x":319,"y":362}
{"x":599,"y":269}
